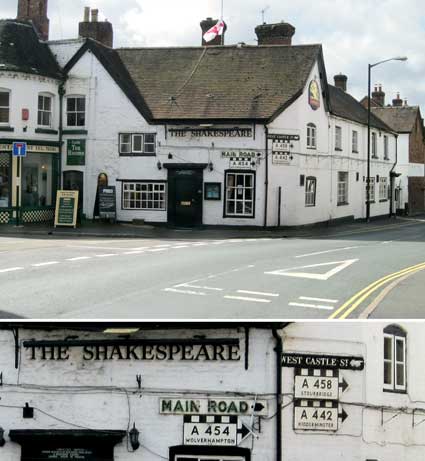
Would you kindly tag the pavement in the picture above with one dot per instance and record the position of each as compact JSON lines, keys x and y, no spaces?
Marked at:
{"x":142,"y":272}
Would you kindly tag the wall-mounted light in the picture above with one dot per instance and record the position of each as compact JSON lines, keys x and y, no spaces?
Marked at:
{"x":159,"y":165}
{"x":170,"y":156}
{"x":210,"y":166}
{"x":2,"y":441}
{"x":134,"y":438}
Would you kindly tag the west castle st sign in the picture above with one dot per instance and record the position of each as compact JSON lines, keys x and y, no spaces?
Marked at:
{"x":144,"y":351}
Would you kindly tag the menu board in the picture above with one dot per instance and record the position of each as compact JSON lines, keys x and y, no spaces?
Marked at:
{"x":107,"y":202}
{"x":66,"y":208}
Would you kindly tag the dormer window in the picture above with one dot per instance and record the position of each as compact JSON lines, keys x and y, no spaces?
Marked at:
{"x":4,"y":107}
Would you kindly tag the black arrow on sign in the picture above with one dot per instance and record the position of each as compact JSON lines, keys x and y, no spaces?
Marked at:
{"x":343,"y":385}
{"x":343,"y":415}
{"x":258,"y":407}
{"x":244,"y":431}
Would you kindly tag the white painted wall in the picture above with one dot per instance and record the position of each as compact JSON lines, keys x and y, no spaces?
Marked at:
{"x":361,"y":436}
{"x":99,"y":394}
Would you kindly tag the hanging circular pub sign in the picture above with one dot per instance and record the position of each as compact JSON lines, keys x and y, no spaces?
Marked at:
{"x":314,"y":95}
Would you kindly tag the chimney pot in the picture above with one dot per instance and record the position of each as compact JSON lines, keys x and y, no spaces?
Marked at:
{"x":397,"y":102}
{"x":87,"y":14}
{"x":94,"y":15}
{"x":341,"y":81}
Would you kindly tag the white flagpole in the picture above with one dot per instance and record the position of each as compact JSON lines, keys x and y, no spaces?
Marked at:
{"x":222,"y":15}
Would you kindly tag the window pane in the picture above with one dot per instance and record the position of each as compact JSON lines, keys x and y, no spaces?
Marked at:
{"x":387,"y":373}
{"x":81,"y":104}
{"x":399,"y":350}
{"x":400,"y":374}
{"x":47,"y":103}
{"x":70,"y":104}
{"x":388,"y":348}
{"x":137,"y":143}
{"x":71,"y":120}
{"x":81,"y":119}
{"x":4,"y":99}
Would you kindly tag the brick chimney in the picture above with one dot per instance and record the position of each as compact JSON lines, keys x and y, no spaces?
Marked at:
{"x":206,"y":25}
{"x":378,"y":96}
{"x":397,"y":102}
{"x":275,"y":34}
{"x":100,"y":31}
{"x":35,"y":11}
{"x":341,"y":81}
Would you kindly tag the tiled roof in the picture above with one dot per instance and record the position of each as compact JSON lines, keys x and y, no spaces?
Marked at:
{"x":22,"y":51}
{"x":345,"y":106}
{"x":230,"y":82}
{"x":400,"y":119}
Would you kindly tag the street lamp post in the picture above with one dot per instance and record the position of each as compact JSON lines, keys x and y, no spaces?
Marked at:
{"x":370,"y":66}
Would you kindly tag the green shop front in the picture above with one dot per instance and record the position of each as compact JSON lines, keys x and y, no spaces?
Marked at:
{"x":28,"y":183}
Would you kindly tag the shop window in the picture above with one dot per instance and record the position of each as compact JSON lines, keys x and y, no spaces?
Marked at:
{"x":44,"y":117}
{"x":310,"y":191}
{"x":137,"y":144}
{"x":395,"y":365}
{"x":75,"y":111}
{"x":143,"y":195}
{"x":239,"y":200}
{"x":311,"y":136}
{"x":5,"y":185}
{"x":4,"y":106}
{"x":355,"y":142}
{"x":38,"y":184}
{"x":342,"y":198}
{"x":371,"y":189}
{"x":338,"y":138}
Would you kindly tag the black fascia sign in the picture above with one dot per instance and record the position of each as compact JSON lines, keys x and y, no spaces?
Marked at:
{"x":316,"y":361}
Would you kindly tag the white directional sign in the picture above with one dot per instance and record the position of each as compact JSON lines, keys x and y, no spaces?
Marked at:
{"x":297,"y":272}
{"x":317,"y":386}
{"x":315,"y":415}
{"x":212,"y":406}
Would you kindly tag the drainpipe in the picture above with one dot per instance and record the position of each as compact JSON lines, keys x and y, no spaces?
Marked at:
{"x":266,"y":182}
{"x":392,"y":177}
{"x":278,"y":349}
{"x":61,"y":91}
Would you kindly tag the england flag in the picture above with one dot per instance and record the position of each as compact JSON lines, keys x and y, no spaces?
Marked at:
{"x":216,"y":30}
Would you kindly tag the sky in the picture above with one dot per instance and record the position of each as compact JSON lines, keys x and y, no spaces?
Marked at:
{"x":353,"y":32}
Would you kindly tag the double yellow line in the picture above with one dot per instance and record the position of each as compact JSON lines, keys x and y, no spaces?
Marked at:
{"x":354,"y":302}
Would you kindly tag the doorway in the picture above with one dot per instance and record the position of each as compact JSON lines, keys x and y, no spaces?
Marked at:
{"x":74,"y":180}
{"x":185,"y":197}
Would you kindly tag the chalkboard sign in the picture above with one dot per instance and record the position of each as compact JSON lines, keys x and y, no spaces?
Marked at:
{"x":107,"y":202}
{"x":66,"y":208}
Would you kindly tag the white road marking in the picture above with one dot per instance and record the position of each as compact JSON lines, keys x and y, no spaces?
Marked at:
{"x":49,"y":263}
{"x":388,"y":241}
{"x":187,"y":292}
{"x":79,"y":258}
{"x":11,"y":269}
{"x":162,"y":246}
{"x":155,"y":250}
{"x":179,"y":246}
{"x":200,"y":244}
{"x":106,"y":255}
{"x":201,"y":288}
{"x":320,"y":300}
{"x":94,"y":247}
{"x":252,"y":300}
{"x":219,"y":242}
{"x":259,"y":293}
{"x":314,"y":306}
{"x":340,"y":265}
{"x":327,"y":251}
{"x":137,"y":252}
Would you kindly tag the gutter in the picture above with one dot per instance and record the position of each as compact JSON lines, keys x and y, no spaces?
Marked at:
{"x":279,"y":350}
{"x":266,"y":181}
{"x":392,"y":176}
{"x":61,"y":91}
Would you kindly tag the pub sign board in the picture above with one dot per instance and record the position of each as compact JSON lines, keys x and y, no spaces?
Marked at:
{"x":294,"y":360}
{"x":76,"y":152}
{"x":66,"y":208}
{"x":211,"y":406}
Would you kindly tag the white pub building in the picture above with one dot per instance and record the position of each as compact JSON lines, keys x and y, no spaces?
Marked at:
{"x":212,"y":135}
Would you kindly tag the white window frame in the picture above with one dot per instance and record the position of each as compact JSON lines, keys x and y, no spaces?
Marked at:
{"x":338,"y":137}
{"x":144,"y":150}
{"x":238,"y":198}
{"x":43,"y":110}
{"x":393,"y":386}
{"x":372,"y":189}
{"x":346,"y":187}
{"x":386,"y":157}
{"x":374,"y":145}
{"x":310,"y":195}
{"x":9,"y":92}
{"x":76,"y":112}
{"x":157,"y":190}
{"x":311,"y":136}
{"x":383,"y":188}
{"x":355,"y":142}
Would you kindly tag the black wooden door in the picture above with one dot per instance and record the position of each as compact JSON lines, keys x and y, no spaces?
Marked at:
{"x":185,"y":197}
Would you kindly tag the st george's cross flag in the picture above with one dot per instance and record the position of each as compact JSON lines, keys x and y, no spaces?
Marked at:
{"x":212,"y":33}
